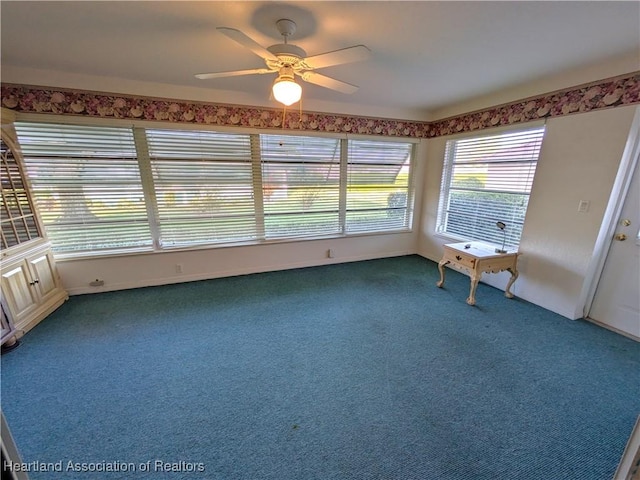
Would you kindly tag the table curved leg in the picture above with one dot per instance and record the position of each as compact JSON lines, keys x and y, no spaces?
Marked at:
{"x":472,"y":292}
{"x":441,"y":268}
{"x":514,"y":276}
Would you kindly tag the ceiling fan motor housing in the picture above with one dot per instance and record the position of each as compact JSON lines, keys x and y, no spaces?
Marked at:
{"x":287,"y":54}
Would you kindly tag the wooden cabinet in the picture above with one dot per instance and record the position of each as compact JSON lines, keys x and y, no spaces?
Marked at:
{"x":30,"y":285}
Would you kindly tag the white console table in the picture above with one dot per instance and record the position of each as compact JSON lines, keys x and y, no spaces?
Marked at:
{"x":478,"y":258}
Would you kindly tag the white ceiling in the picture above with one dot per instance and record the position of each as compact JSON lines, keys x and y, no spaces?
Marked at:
{"x":425,"y":54}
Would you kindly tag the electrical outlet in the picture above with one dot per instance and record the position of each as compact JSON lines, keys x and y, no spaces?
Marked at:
{"x":178,"y":268}
{"x":583,"y":206}
{"x":330,"y":253}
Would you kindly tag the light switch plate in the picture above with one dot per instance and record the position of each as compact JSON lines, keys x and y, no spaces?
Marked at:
{"x":583,"y":206}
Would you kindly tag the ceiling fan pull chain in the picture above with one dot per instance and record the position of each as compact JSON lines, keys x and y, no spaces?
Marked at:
{"x":300,"y":117}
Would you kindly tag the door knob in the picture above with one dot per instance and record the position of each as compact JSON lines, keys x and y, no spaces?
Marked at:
{"x":621,"y":237}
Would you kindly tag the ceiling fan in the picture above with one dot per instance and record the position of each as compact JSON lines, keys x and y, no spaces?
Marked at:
{"x":289,"y":60}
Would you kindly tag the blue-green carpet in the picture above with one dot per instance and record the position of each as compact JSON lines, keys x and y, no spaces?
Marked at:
{"x":355,"y":371}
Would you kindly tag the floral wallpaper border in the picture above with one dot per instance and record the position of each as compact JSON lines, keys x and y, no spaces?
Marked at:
{"x":613,"y":92}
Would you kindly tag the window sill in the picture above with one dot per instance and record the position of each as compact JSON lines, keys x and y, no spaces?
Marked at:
{"x":451,"y":238}
{"x":61,"y":258}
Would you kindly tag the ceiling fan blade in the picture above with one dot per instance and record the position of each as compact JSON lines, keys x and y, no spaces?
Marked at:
{"x":234,"y":73}
{"x":247,"y":42}
{"x":338,"y":57}
{"x":328,"y":82}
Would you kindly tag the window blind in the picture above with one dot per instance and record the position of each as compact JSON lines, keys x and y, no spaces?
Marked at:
{"x":378,"y":186}
{"x":300,"y":185}
{"x":203,"y":186}
{"x":87,"y":186}
{"x":105,"y":189}
{"x":487,"y":179}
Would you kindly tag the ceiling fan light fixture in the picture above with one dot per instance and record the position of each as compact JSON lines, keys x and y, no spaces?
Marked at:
{"x":286,"y":90}
{"x":289,"y":60}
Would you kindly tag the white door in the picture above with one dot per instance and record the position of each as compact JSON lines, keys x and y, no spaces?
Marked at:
{"x":616,"y":303}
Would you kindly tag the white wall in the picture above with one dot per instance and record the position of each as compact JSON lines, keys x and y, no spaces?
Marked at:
{"x":614,"y":66}
{"x":52,"y":78}
{"x":578,"y":161}
{"x":131,"y":271}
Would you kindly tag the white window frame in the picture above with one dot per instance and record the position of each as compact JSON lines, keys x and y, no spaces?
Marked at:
{"x":513,"y":175}
{"x":201,"y":186}
{"x":101,"y":214}
{"x":151,"y":202}
{"x":396,"y":212}
{"x":301,"y":183}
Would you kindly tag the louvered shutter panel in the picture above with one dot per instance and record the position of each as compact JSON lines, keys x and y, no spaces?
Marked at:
{"x":17,"y":219}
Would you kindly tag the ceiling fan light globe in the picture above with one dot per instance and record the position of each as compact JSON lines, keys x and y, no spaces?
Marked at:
{"x":286,"y":91}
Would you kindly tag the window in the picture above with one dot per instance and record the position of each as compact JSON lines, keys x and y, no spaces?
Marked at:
{"x":300,"y":185}
{"x":487,"y":179}
{"x":203,"y":187}
{"x":112,"y":189}
{"x":378,"y":186}
{"x":86,"y":184}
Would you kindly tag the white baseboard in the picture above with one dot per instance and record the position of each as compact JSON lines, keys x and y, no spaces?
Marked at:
{"x":153,"y":282}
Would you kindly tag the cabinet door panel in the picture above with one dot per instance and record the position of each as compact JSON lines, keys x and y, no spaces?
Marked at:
{"x":17,"y":290}
{"x":42,"y":267}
